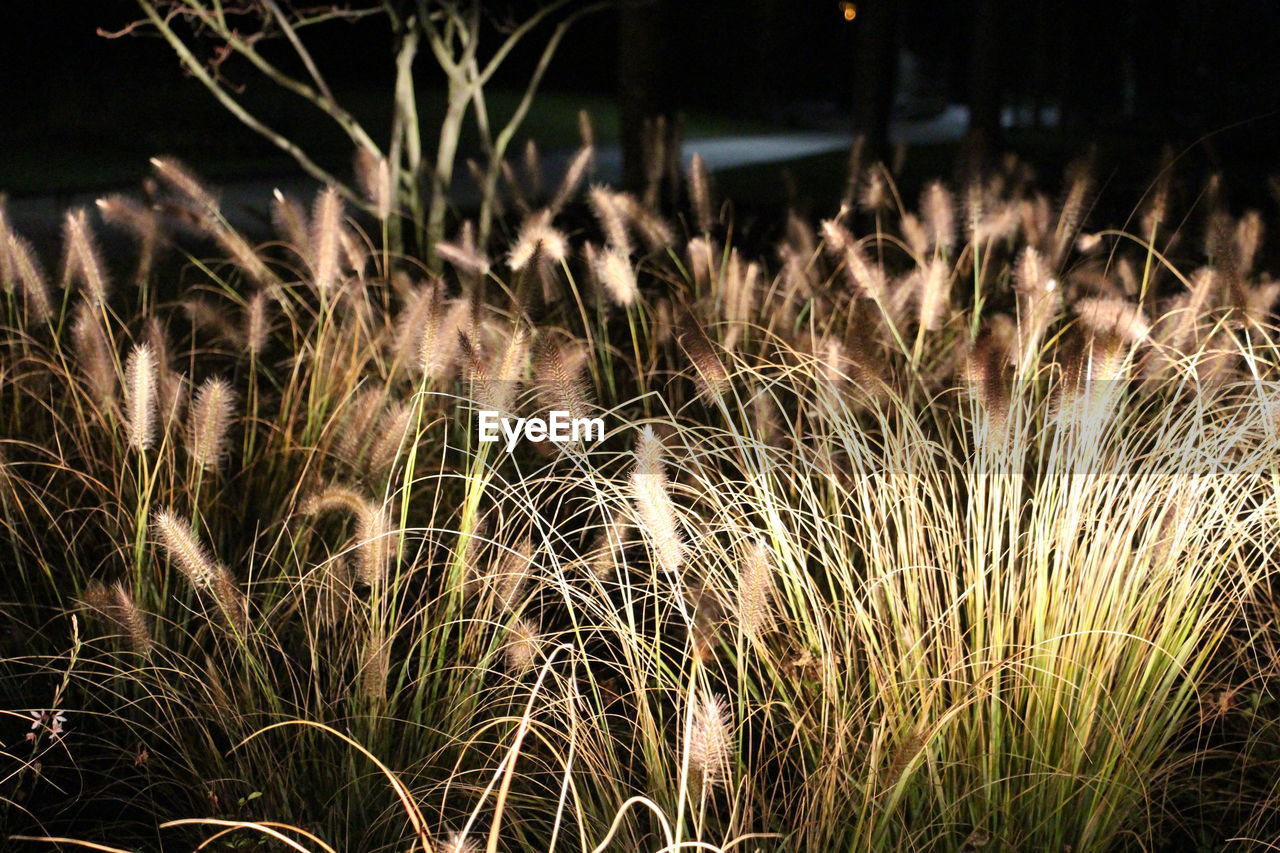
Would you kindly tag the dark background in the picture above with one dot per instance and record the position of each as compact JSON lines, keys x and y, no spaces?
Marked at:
{"x":82,"y":112}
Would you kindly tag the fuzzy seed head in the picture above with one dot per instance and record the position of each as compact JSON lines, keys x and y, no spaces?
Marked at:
{"x":523,"y":642}
{"x":934,"y":299}
{"x":938,"y":207}
{"x":539,"y":240}
{"x":374,"y":174}
{"x":617,"y":276}
{"x":711,"y":374}
{"x":393,"y":437}
{"x":755,"y":590}
{"x":94,"y":355}
{"x":573,"y":176}
{"x":465,"y":259}
{"x":210,"y":419}
{"x":613,"y":222}
{"x":257,"y":324}
{"x":290,"y":221}
{"x":140,"y":376}
{"x":650,"y":491}
{"x":81,"y":261}
{"x":1248,"y":239}
{"x":1112,"y":315}
{"x":374,"y":666}
{"x":607,"y":550}
{"x":558,"y":371}
{"x":29,"y":276}
{"x":710,"y":742}
{"x":184,"y":550}
{"x":700,"y":193}
{"x":509,"y":574}
{"x":326,"y":238}
{"x":180,"y":179}
{"x":374,"y":532}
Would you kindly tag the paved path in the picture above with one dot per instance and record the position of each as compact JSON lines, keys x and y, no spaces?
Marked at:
{"x":245,"y":201}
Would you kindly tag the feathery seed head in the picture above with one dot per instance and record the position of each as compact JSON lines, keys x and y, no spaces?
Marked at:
{"x":558,"y":370}
{"x":374,"y":174}
{"x":616,"y":274}
{"x":573,"y":177}
{"x":464,"y":258}
{"x":140,"y":396}
{"x":180,"y":179}
{"x":609,"y":213}
{"x":257,"y":323}
{"x":523,"y":642}
{"x":934,"y":296}
{"x":29,"y":276}
{"x":291,"y":224}
{"x":326,"y":238}
{"x":210,"y":419}
{"x":539,"y":240}
{"x":755,"y":590}
{"x":938,"y":207}
{"x":1112,"y":315}
{"x":700,"y":193}
{"x":654,"y":507}
{"x":81,"y":261}
{"x":710,"y":742}
{"x":185,"y":551}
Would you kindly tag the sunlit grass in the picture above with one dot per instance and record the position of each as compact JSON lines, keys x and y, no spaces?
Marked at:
{"x":855,"y":567}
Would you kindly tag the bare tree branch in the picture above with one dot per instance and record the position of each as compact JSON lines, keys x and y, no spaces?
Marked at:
{"x":197,"y":69}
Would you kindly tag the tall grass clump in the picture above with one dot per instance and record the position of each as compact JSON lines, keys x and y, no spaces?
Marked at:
{"x":932,"y":529}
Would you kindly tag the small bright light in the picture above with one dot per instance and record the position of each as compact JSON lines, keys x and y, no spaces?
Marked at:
{"x":849,"y":10}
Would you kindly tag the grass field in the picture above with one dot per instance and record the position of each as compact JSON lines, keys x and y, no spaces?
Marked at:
{"x":946,"y":525}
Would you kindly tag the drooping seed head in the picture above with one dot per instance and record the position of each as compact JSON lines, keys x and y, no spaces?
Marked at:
{"x":573,"y":176}
{"x":141,"y":221}
{"x":183,"y":548}
{"x":466,"y":259}
{"x":180,"y":179}
{"x":29,"y":276}
{"x":374,"y":531}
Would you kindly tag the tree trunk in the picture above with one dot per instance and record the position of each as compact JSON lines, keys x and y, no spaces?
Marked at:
{"x":875,"y":74}
{"x":984,"y":81}
{"x":643,"y":92}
